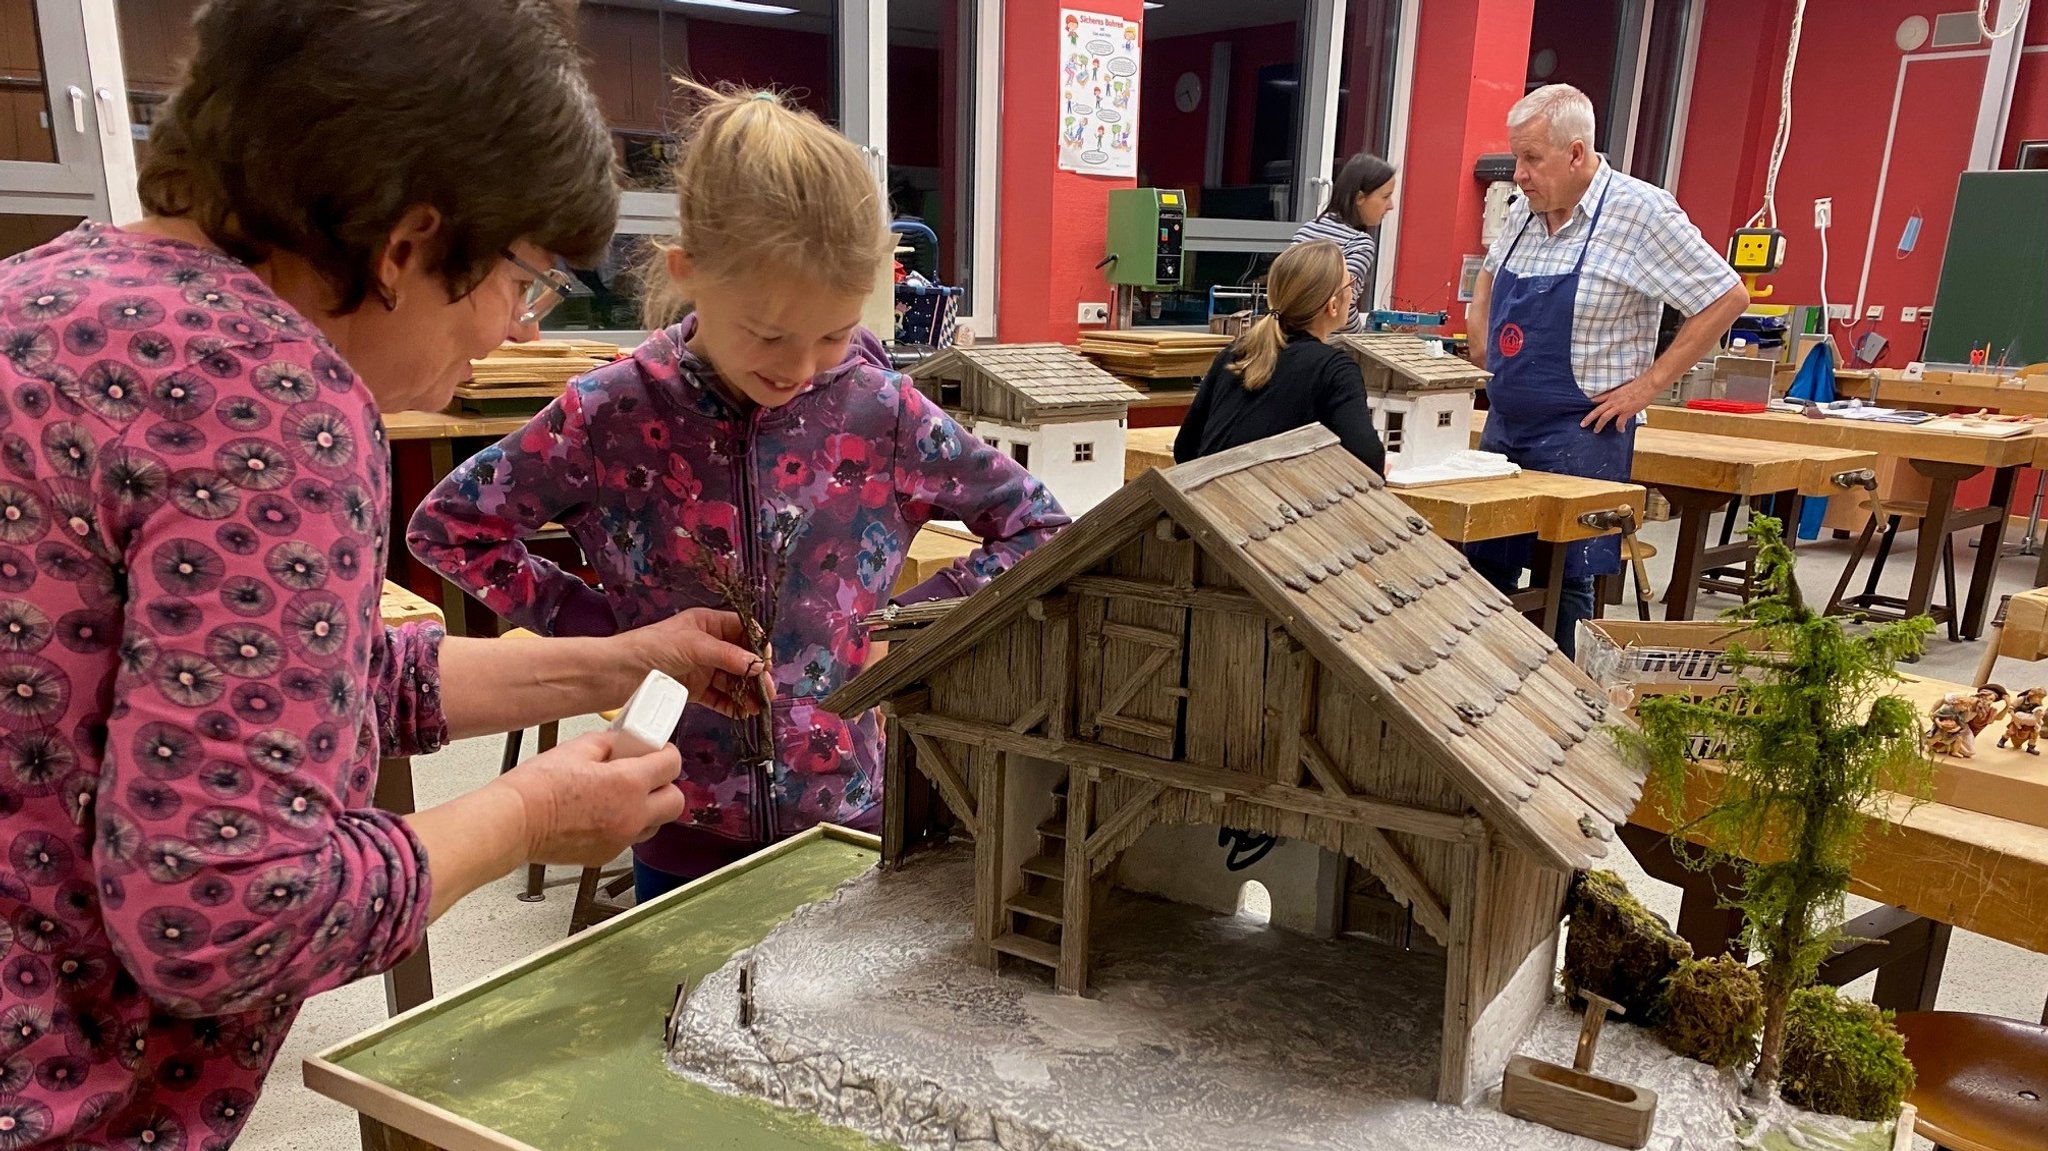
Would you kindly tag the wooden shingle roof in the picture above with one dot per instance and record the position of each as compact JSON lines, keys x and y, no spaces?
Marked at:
{"x":1397,"y":360}
{"x":1358,"y":578}
{"x":1043,"y":376}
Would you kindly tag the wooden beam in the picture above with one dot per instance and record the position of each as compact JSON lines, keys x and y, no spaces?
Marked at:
{"x":1213,"y":781}
{"x":931,"y":759}
{"x":1129,"y":688}
{"x":1139,"y":727}
{"x":1149,"y":636}
{"x":895,"y":792}
{"x":1157,"y":591}
{"x":1057,"y":673}
{"x":1121,"y":822}
{"x":1092,"y":612}
{"x":1030,"y":719}
{"x":1286,"y":707}
{"x":1319,"y":765}
{"x":915,"y":701}
{"x":989,"y":895}
{"x":1468,"y":925}
{"x":1077,"y":891}
{"x":1422,"y":902}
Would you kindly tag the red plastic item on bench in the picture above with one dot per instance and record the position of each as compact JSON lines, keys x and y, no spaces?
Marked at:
{"x":1741,"y":407}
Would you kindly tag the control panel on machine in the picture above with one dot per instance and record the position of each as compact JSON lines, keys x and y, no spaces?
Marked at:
{"x":1145,"y":240}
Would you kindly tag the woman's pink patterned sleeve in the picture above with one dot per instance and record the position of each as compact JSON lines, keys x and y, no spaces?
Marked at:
{"x":239,"y":863}
{"x":405,"y":673}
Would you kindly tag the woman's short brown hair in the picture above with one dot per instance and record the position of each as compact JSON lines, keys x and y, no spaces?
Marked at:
{"x":313,"y":126}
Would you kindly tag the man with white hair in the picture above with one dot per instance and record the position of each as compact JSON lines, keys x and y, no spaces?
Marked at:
{"x":1569,"y":301}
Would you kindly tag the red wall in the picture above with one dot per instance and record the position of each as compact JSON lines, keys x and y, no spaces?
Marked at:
{"x":1471,"y":58}
{"x":1052,"y":222}
{"x":1843,"y":94}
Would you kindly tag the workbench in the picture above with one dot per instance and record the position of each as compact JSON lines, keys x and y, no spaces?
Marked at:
{"x":563,"y":1050}
{"x":1946,"y":458}
{"x":1934,"y":866}
{"x":439,"y":431}
{"x":1701,"y":475}
{"x":1542,"y":504}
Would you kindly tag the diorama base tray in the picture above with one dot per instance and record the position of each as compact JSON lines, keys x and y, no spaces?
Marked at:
{"x":1204,"y":1032}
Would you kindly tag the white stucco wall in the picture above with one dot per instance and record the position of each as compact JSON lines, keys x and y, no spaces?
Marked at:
{"x":1182,"y":863}
{"x":1423,"y":440}
{"x":1078,"y":486}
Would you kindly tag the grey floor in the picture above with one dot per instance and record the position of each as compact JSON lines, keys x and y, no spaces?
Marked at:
{"x":492,"y":928}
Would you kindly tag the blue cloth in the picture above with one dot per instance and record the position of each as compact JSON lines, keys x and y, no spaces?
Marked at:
{"x":1815,"y":382}
{"x":649,"y":883}
{"x":1536,"y":404}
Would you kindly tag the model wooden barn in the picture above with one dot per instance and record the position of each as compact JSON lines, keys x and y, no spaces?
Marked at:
{"x":1421,"y":400}
{"x":1051,"y":408}
{"x":1265,"y":639}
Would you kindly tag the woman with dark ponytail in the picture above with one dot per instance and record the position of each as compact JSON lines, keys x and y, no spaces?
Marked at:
{"x":1280,"y":375}
{"x":1360,"y":197}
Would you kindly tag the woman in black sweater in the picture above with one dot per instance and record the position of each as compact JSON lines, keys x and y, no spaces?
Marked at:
{"x":1280,"y":375}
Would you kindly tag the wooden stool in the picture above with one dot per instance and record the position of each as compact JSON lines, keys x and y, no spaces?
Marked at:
{"x":1895,"y":513}
{"x":1982,"y":1081}
{"x":1633,"y":554}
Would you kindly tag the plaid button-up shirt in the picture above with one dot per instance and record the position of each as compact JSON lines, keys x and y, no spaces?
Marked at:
{"x":1644,"y":254}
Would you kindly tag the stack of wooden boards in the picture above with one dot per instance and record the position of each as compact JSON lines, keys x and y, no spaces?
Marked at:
{"x":1142,"y":355}
{"x":515,"y":375}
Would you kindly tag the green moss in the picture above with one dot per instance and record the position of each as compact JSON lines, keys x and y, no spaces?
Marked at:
{"x":1843,"y":1057}
{"x":1617,"y":948}
{"x":1713,"y":1011}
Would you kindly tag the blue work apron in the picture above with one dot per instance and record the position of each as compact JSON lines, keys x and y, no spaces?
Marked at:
{"x":1536,"y":405}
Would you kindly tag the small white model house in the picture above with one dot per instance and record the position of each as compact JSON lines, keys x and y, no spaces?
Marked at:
{"x":1048,"y":406}
{"x":1421,"y":400}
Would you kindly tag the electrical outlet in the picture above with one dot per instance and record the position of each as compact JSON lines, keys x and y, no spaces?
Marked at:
{"x":1094,"y":313}
{"x":1841,"y":311}
{"x":1874,"y":312}
{"x":1824,"y":212}
{"x":1909,"y":315}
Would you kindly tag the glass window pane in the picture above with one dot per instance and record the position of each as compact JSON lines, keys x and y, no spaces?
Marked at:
{"x":634,"y":49}
{"x":931,"y":122}
{"x":156,"y":41}
{"x":1220,"y":104}
{"x":1660,"y":89}
{"x":1575,"y":42}
{"x":614,"y":302}
{"x":25,"y":129}
{"x":1365,"y":87}
{"x":20,"y":233}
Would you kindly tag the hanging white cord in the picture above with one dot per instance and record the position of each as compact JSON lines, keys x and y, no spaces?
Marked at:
{"x":1768,"y":214}
{"x":2019,"y":13}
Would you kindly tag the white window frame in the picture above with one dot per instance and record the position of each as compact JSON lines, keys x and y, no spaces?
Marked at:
{"x":94,"y":173}
{"x":984,"y":165}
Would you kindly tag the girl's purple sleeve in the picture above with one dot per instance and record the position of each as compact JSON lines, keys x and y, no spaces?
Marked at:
{"x":945,"y":472}
{"x":472,"y":528}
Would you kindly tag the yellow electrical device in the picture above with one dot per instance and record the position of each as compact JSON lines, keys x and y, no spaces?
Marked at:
{"x":1754,"y":252}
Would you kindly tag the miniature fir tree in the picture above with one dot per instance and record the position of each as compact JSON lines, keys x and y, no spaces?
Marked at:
{"x":1812,"y":740}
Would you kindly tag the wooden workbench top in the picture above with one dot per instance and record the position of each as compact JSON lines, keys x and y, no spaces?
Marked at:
{"x":1737,"y":466}
{"x":1936,"y":395}
{"x":1540,"y":502}
{"x":400,"y":606}
{"x":442,"y":426}
{"x":1902,"y":440}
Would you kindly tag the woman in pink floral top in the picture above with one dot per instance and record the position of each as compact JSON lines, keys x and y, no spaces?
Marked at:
{"x":763,"y":439}
{"x":194,"y":518}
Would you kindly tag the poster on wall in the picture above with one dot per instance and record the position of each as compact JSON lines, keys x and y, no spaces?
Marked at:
{"x":1098,"y":93}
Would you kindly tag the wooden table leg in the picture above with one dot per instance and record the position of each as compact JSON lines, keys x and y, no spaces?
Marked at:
{"x":411,"y":983}
{"x":1548,"y":561}
{"x":441,"y":461}
{"x":1695,"y":508}
{"x":1941,"y":506}
{"x":1711,"y":928}
{"x":1989,"y":552}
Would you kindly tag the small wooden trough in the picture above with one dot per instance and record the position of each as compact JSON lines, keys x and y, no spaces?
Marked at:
{"x":1574,"y":1099}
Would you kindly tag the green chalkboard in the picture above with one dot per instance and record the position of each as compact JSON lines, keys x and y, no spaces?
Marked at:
{"x":1994,"y":275}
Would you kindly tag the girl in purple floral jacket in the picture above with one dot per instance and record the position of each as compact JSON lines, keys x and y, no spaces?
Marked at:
{"x":762,"y":438}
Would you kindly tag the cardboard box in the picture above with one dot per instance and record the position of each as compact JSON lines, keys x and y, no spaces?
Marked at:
{"x":1634,"y":661}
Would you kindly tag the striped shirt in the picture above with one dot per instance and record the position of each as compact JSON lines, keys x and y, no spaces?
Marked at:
{"x":1645,"y":254}
{"x":1358,"y":256}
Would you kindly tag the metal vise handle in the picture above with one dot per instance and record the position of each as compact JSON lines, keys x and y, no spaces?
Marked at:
{"x":1621,"y":519}
{"x":1865,"y":478}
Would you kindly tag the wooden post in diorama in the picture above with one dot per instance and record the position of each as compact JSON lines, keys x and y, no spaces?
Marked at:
{"x":1077,"y":891}
{"x":1286,"y":686}
{"x":894,"y":761}
{"x":988,"y":770}
{"x":1470,"y":922}
{"x":1057,"y":667}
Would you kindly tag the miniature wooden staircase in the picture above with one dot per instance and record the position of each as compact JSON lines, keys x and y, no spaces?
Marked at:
{"x":1033,"y":918}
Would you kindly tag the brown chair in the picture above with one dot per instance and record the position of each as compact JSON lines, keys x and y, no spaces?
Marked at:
{"x":1896,"y":515}
{"x":1981,"y":1080}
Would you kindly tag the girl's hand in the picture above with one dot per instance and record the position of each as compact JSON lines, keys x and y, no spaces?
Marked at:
{"x":706,"y":651}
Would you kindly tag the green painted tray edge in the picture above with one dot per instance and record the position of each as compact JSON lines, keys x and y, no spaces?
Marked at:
{"x":324,"y":1074}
